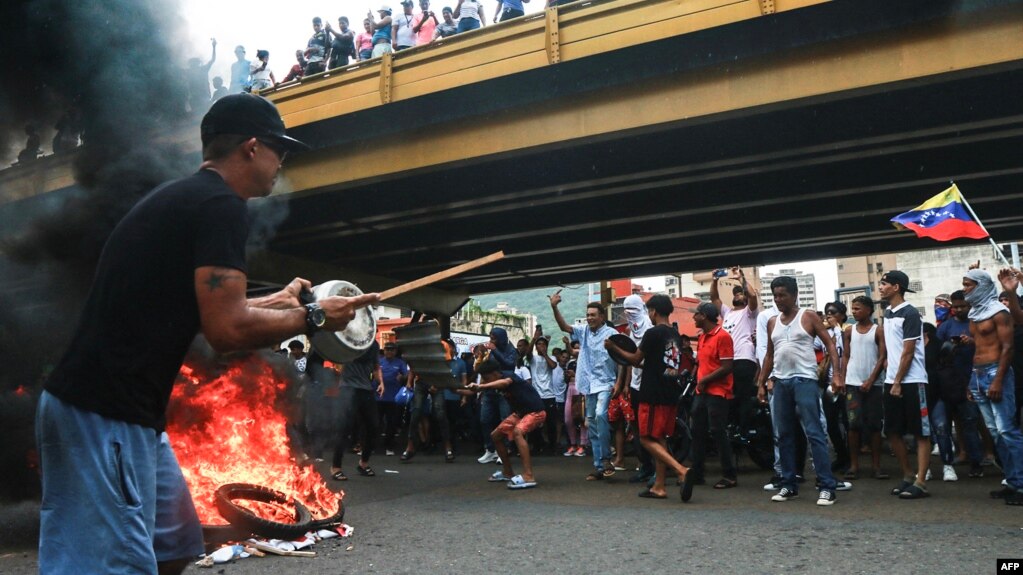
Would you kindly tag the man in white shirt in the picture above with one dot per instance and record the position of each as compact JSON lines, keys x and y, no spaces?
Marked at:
{"x":541,"y":370}
{"x":739,"y":320}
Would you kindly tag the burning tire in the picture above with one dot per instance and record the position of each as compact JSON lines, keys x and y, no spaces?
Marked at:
{"x":245,"y":520}
{"x":332,"y":521}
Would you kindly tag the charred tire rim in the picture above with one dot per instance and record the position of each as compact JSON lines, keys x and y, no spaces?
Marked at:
{"x":332,"y":521}
{"x":245,"y":520}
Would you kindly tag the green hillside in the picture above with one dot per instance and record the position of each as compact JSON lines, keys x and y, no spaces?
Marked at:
{"x":534,"y":301}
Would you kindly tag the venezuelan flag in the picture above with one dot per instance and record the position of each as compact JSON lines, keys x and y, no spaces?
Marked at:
{"x":943,"y":218}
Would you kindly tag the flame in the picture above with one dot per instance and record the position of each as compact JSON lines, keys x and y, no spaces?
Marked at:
{"x":227,"y":428}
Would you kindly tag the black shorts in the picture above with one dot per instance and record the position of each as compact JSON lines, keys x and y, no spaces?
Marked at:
{"x":906,"y":415}
{"x":864,"y":411}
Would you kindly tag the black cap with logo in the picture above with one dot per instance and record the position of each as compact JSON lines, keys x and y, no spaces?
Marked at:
{"x":897,"y":278}
{"x":247,"y":115}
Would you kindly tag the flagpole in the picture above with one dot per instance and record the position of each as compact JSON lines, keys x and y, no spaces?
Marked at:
{"x":998,"y":250}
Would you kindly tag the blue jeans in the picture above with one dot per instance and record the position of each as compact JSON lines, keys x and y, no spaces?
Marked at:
{"x":799,"y":400}
{"x":466,"y":24}
{"x":114,"y":498}
{"x":940,"y":423}
{"x":599,"y":428}
{"x":492,"y":404}
{"x":998,"y":416}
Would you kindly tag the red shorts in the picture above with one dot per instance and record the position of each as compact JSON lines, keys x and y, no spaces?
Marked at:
{"x":656,"y":421}
{"x":619,"y":408}
{"x":524,"y":424}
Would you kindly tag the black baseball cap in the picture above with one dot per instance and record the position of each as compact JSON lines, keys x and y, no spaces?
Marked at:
{"x":895,"y":277}
{"x":247,"y":115}
{"x":707,"y":309}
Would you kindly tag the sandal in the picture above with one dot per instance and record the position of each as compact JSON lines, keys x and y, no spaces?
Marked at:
{"x":914,"y":491}
{"x":339,"y":476}
{"x":850,"y":475}
{"x":406,"y":455}
{"x":647,"y":494}
{"x":366,"y":471}
{"x":725,"y":483}
{"x":595,"y":476}
{"x":903,"y":486}
{"x":609,"y":469}
{"x":878,"y":474}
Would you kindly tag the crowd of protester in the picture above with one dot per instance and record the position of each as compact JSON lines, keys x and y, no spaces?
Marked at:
{"x":839,"y":386}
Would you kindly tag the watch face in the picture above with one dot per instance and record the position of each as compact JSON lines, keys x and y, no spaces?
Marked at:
{"x":319,"y":317}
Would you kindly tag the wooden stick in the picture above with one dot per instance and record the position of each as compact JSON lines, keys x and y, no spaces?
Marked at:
{"x":441,"y":275}
{"x":271,"y":549}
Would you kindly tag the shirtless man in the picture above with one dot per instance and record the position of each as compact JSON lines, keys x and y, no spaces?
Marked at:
{"x":992,"y":383}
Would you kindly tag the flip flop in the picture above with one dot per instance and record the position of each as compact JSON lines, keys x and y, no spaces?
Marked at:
{"x":881,"y":475}
{"x":595,"y":476}
{"x":366,"y":471}
{"x":725,"y":483}
{"x":406,"y":455}
{"x":647,"y":494}
{"x":686,"y":491}
{"x":339,"y":476}
{"x":903,"y":486}
{"x":498,"y":476}
{"x":518,"y":482}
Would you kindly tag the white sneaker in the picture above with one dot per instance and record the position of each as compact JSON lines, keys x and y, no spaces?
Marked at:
{"x":949,"y":474}
{"x":826,"y":498}
{"x":497,"y":459}
{"x":935,"y":451}
{"x":928,"y":476}
{"x":839,"y":486}
{"x":488,"y":457}
{"x":389,"y":452}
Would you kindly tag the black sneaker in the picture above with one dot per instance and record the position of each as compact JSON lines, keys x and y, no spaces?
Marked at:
{"x":826,"y":498}
{"x":785,"y":495}
{"x":1003,"y":493}
{"x":1016,"y":498}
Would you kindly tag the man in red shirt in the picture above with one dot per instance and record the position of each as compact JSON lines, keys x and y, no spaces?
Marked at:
{"x":713,"y":392}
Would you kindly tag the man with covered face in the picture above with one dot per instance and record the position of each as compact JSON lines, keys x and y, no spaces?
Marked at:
{"x":992,"y":383}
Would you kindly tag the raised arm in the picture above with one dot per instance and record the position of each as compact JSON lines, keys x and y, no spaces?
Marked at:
{"x":715,"y":295}
{"x":751,"y":298}
{"x":1010,"y":279}
{"x":230,"y":323}
{"x":562,"y":324}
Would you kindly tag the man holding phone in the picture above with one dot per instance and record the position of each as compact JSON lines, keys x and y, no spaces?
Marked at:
{"x":955,"y":330}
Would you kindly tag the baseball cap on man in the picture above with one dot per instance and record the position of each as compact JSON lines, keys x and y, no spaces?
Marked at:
{"x":895,"y":277}
{"x":384,"y":8}
{"x":247,"y":115}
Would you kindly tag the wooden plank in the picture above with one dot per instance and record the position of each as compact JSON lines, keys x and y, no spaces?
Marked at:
{"x":441,"y":275}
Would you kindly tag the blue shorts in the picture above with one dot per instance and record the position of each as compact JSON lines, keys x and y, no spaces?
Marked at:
{"x":114,"y":499}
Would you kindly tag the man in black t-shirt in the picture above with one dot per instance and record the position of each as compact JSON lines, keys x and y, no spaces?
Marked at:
{"x":173,"y":266}
{"x":527,"y":415}
{"x":658,"y":355}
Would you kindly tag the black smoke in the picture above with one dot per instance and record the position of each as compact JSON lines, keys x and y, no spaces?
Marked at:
{"x":116,"y":63}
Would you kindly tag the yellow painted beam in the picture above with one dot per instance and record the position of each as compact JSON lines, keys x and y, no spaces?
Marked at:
{"x":511,"y":48}
{"x":963,"y":43}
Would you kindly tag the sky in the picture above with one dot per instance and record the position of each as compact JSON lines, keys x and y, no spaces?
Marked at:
{"x":279,"y":28}
{"x":825,"y":274}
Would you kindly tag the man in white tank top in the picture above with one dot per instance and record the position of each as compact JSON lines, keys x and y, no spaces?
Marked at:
{"x":792,"y":367}
{"x":864,"y":359}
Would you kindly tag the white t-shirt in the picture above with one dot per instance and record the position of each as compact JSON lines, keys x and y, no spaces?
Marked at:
{"x":762,"y":319}
{"x":740,"y":323}
{"x":558,"y":383}
{"x":405,"y":36}
{"x":902,"y":323}
{"x":470,"y":9}
{"x":541,"y":374}
{"x":523,"y":372}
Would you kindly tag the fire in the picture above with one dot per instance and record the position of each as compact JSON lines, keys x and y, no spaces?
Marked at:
{"x":227,"y":428}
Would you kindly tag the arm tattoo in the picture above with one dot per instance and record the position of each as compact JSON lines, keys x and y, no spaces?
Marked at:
{"x":217,"y":279}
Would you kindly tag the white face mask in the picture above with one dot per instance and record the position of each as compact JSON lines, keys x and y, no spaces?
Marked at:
{"x":983,"y":299}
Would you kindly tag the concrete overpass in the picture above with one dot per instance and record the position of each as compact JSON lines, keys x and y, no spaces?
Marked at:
{"x":623,"y":138}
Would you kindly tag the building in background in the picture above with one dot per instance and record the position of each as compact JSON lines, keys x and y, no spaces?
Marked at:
{"x":697,"y":284}
{"x":931,"y":272}
{"x":805,"y":283}
{"x":472,"y":319}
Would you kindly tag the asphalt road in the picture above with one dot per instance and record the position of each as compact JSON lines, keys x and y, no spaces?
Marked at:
{"x":433,"y":517}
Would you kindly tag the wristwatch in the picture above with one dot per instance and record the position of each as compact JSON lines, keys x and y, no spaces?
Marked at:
{"x":315,"y":317}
